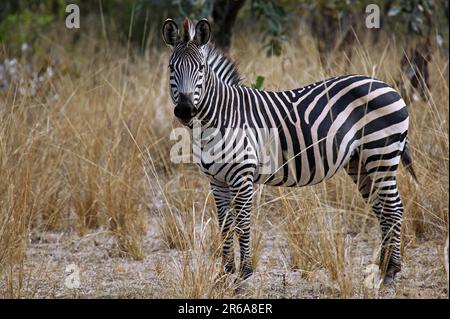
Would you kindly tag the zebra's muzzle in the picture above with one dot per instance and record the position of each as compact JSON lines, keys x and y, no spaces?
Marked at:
{"x":185,"y":109}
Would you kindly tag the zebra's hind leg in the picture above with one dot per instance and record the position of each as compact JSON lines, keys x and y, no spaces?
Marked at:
{"x":222,"y":197}
{"x":378,"y":186}
{"x":358,"y":173}
{"x":389,"y":207}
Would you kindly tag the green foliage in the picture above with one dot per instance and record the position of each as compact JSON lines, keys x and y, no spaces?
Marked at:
{"x":145,"y":16}
{"x":24,"y":21}
{"x":194,"y":9}
{"x":416,"y":13}
{"x":22,"y":27}
{"x":135,"y":20}
{"x":259,"y":83}
{"x":423,"y":20}
{"x":273,"y":18}
{"x":333,"y":8}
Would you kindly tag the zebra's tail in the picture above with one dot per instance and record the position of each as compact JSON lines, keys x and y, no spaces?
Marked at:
{"x":407,"y":161}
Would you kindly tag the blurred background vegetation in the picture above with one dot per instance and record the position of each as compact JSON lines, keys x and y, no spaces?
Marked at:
{"x":418,"y":25}
{"x":330,"y":20}
{"x":86,"y":117}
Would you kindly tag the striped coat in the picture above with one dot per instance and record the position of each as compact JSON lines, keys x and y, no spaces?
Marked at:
{"x":350,"y":122}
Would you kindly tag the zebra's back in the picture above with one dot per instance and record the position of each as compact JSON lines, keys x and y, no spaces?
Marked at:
{"x":321,"y":126}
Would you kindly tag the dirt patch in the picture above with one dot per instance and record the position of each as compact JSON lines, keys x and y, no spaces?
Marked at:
{"x":104,"y":273}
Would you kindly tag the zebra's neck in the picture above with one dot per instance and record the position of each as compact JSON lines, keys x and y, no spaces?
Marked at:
{"x":219,"y":105}
{"x":224,"y":68}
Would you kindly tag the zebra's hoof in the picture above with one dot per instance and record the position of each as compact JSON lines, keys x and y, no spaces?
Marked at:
{"x":241,"y":285}
{"x":389,"y":281}
{"x":389,"y":277}
{"x":246,"y":272}
{"x":230,"y":268}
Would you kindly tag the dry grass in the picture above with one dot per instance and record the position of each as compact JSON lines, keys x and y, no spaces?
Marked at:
{"x":93,"y":165}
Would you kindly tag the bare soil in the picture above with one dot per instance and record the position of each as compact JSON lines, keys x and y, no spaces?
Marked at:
{"x":104,"y":273}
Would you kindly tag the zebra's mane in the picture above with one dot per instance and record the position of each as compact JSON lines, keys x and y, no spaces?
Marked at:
{"x":225,"y":69}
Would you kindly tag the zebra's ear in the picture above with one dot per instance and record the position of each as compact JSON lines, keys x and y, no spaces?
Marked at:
{"x":170,"y":32}
{"x":202,"y":32}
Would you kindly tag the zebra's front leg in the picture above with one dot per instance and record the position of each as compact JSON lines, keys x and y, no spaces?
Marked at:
{"x":222,"y":197}
{"x":242,"y":203}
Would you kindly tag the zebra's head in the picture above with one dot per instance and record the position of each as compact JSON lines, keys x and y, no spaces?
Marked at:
{"x":187,"y":65}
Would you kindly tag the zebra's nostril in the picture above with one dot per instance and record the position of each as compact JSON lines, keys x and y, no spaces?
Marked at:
{"x":184,"y":112}
{"x":177,"y":112}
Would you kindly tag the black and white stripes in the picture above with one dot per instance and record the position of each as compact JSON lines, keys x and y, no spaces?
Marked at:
{"x":350,"y":122}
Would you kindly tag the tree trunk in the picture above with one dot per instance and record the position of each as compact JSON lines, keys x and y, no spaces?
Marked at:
{"x":224,"y":15}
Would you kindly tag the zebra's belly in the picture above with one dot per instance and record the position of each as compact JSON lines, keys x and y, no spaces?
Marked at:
{"x":225,"y":172}
{"x":298,"y":170}
{"x":286,"y":170}
{"x":291,"y":179}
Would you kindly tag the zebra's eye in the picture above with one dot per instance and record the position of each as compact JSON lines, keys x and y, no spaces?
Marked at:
{"x":170,"y":67}
{"x":201,"y":67}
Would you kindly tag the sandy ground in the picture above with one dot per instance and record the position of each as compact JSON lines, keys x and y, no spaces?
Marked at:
{"x":105,"y":274}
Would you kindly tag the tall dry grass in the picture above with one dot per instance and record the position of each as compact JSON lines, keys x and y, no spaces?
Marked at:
{"x":96,"y":158}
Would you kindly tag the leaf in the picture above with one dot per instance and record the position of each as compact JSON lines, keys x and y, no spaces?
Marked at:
{"x":428,"y":6}
{"x":274,"y":25}
{"x":258,"y":83}
{"x":439,"y":40}
{"x":394,"y":11}
{"x":276,"y":48}
{"x":416,"y":26}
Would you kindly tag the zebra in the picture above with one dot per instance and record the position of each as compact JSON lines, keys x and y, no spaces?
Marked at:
{"x":351,"y":122}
